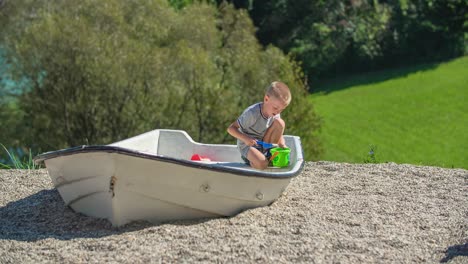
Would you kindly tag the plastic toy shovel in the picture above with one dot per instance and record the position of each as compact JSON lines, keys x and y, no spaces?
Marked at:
{"x":266,"y":145}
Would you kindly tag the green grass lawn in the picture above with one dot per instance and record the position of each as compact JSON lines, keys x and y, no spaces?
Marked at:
{"x":416,"y":115}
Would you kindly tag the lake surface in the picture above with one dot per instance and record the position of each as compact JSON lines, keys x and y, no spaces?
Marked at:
{"x":6,"y":83}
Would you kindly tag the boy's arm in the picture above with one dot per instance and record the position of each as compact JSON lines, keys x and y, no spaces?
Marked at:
{"x":233,"y":130}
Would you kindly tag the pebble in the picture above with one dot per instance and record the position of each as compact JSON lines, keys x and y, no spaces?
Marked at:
{"x":331,"y":212}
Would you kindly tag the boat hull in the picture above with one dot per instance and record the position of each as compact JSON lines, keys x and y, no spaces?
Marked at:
{"x":123,"y":185}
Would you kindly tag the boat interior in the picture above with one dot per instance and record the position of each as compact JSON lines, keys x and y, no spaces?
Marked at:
{"x":177,"y":144}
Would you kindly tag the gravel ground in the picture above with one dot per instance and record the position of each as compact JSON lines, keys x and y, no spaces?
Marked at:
{"x":331,"y":213}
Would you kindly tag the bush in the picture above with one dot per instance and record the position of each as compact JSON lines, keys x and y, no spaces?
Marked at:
{"x":101,"y":71}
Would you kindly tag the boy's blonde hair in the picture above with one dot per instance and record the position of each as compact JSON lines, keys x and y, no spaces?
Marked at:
{"x":279,"y":91}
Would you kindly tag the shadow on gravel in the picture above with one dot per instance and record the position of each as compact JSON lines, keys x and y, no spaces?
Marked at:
{"x":44,"y":215}
{"x":455,"y":251}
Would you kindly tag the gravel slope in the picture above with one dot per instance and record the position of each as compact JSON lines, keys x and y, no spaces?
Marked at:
{"x":332,"y":212}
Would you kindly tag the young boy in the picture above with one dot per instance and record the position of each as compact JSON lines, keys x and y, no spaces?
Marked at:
{"x":262,"y":121}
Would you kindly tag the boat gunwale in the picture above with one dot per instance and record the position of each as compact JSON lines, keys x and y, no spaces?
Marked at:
{"x":198,"y":165}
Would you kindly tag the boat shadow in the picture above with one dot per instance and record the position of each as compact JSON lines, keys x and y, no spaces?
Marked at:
{"x":455,"y":251}
{"x":44,"y":215}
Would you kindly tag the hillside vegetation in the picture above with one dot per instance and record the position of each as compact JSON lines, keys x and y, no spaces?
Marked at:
{"x":416,"y":115}
{"x":96,"y":72}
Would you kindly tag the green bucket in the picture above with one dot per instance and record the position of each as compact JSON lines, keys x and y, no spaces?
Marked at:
{"x":282,"y":158}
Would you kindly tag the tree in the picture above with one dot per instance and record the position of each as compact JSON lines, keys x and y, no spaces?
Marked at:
{"x":323,"y":34}
{"x":99,"y":71}
{"x":342,"y":37}
{"x":427,"y":30}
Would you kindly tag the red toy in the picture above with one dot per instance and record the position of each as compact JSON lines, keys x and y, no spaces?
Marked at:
{"x":197,"y":157}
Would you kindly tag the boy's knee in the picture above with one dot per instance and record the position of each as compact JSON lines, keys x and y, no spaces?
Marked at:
{"x":280,"y":123}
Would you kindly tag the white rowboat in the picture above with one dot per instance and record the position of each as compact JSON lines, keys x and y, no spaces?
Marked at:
{"x":151,"y":177}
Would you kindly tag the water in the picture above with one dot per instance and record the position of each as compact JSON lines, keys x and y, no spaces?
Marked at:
{"x":6,"y":84}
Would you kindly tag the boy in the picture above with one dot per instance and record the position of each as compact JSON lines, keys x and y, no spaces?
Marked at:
{"x":261,"y":121}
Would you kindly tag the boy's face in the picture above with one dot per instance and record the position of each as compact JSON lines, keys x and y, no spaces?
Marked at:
{"x":273,"y":106}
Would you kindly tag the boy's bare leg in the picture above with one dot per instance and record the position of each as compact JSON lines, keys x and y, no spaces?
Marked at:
{"x":257,"y":159}
{"x":275,"y":131}
{"x":272,"y":135}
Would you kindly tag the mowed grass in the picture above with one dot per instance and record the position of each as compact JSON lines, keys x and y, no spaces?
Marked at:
{"x":417,"y":115}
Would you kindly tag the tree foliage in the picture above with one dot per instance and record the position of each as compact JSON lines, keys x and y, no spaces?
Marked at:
{"x":335,"y":36}
{"x":100,"y":71}
{"x":432,"y":29}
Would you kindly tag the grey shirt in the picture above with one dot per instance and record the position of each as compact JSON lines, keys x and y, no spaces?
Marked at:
{"x":253,"y":123}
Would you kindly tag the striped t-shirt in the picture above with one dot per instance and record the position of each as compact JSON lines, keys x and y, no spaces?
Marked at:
{"x":253,"y":123}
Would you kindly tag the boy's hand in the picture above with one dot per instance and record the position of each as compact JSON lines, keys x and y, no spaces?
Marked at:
{"x":282,"y":145}
{"x":250,"y":142}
